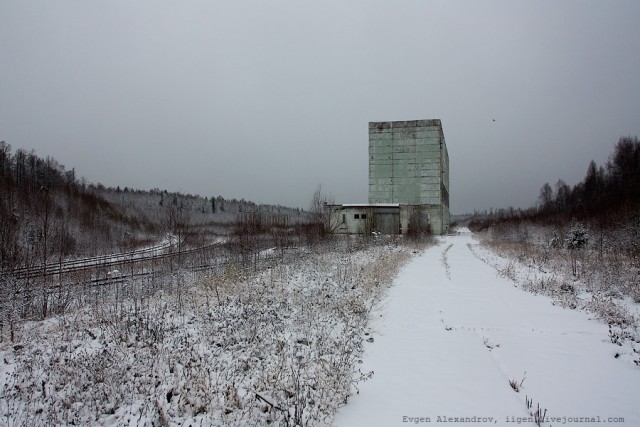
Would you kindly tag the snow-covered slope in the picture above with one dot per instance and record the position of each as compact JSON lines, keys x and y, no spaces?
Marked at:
{"x":452,"y":336}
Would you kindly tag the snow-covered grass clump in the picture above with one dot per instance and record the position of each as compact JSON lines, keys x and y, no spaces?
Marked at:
{"x":278,"y":346}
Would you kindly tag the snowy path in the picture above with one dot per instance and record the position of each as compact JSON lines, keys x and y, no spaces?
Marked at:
{"x":448,"y":340}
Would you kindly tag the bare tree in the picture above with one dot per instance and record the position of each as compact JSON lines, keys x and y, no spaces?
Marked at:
{"x":546,"y":198}
{"x":319,"y":214}
{"x":318,"y":201}
{"x":44,"y":210}
{"x":5,"y":162}
{"x":10,"y":225}
{"x":563,"y":193}
{"x":178,"y":221}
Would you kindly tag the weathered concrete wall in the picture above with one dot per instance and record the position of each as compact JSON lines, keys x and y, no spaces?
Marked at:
{"x":424,"y":214}
{"x":399,"y":219}
{"x":409,"y":164}
{"x":445,"y":189}
{"x":349,"y":219}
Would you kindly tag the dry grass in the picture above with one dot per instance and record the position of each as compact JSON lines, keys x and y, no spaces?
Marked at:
{"x":600,"y":281}
{"x":275,"y":346}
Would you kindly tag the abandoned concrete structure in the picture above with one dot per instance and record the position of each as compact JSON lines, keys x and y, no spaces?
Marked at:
{"x":408,"y":182}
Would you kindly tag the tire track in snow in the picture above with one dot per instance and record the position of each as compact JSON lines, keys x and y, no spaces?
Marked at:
{"x":452,"y":344}
{"x":445,"y":262}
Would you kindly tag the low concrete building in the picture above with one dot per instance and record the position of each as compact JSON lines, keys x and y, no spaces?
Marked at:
{"x":363,"y":218}
{"x":408,"y":182}
{"x":384,"y":218}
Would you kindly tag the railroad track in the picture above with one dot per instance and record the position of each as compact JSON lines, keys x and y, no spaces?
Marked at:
{"x":122,"y":267}
{"x":120,"y":260}
{"x":121,"y":277}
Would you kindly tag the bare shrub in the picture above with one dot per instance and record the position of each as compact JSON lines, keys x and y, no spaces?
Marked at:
{"x":517,"y":385}
{"x":508,"y":271}
{"x":610,"y":312}
{"x":188,"y":349}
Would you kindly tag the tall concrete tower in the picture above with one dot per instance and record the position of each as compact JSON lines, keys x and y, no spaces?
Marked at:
{"x":409,"y":165}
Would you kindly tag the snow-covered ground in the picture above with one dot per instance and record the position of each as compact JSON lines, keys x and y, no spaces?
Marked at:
{"x":277,"y":346}
{"x":320,"y":331}
{"x":453,"y":339}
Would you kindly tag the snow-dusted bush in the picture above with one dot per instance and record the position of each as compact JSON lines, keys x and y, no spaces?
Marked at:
{"x":556,"y":241}
{"x":577,"y":237}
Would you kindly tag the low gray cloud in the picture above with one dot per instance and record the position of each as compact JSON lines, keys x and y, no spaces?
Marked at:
{"x":266,"y":100}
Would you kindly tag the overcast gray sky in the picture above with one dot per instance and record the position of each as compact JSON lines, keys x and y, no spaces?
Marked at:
{"x":264,"y":100}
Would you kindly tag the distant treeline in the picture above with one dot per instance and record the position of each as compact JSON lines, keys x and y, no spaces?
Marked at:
{"x":607,"y":193}
{"x":48,"y":214}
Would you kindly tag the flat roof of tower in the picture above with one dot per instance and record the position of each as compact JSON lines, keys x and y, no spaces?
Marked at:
{"x":373,"y":205}
{"x":407,"y":123}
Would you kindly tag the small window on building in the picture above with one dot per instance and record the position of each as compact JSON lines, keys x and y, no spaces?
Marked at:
{"x":344,"y":218}
{"x":363,"y":216}
{"x":356,"y":216}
